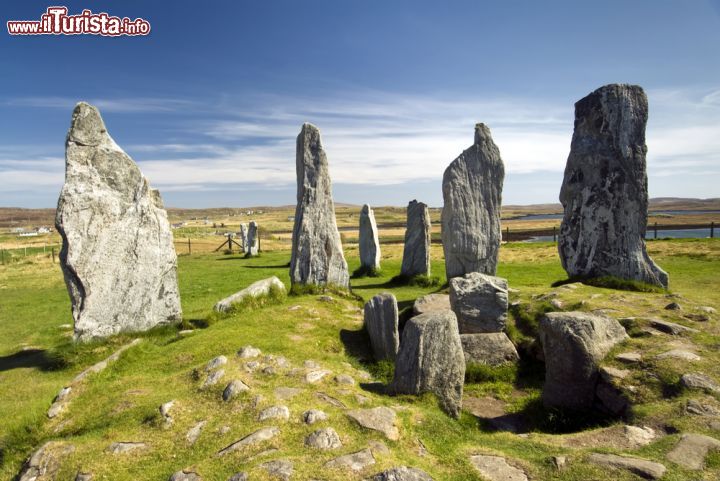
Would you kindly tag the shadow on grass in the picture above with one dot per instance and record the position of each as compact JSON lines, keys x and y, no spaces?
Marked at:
{"x":38,"y":358}
{"x":611,"y":282}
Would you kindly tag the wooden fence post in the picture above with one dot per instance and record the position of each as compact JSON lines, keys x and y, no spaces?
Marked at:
{"x":189,"y":247}
{"x":507,"y":234}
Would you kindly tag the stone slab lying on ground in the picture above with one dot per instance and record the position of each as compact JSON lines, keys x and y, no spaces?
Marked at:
{"x":642,"y":467}
{"x":256,"y":289}
{"x":480,"y":302}
{"x":491,"y":348}
{"x":691,"y":450}
{"x":380,"y":419}
{"x":496,"y":468}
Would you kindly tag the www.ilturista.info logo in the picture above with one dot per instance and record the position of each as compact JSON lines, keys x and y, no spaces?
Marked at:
{"x":56,"y":21}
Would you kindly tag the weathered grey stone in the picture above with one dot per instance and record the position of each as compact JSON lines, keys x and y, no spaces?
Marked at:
{"x":480,"y":302}
{"x":670,"y":327}
{"x":345,"y":379}
{"x":312,"y":416}
{"x":641,"y":467}
{"x":259,"y":436}
{"x":691,"y":450}
{"x":256,"y":289}
{"x":234,"y":387}
{"x":185,"y":475}
{"x":604,"y":191}
{"x":402,"y":473}
{"x":682,"y":354}
{"x":118,"y":257}
{"x":279,"y":468}
{"x":125,"y":447}
{"x":431,"y":359}
{"x":369,"y":244}
{"x":317,"y":255}
{"x":353,"y":461}
{"x":274,"y":412}
{"x":673,"y":306}
{"x":496,"y":468}
{"x":249,"y":352}
{"x":239,"y":477}
{"x":431,"y":302}
{"x":472,"y":193}
{"x":325,"y":438}
{"x":44,"y":463}
{"x":492,"y":348}
{"x":252,"y":244}
{"x":243,"y":234}
{"x":629,"y":357}
{"x":215,"y":363}
{"x":574,"y":343}
{"x":213,"y":378}
{"x":381,"y":324}
{"x":316,"y":376}
{"x":698,"y":408}
{"x":699,"y":381}
{"x":83,"y":476}
{"x":194,"y":433}
{"x":416,"y":253}
{"x":380,"y":419}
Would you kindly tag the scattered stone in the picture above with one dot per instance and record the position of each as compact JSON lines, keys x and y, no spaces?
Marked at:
{"x":345,"y":379}
{"x":402,"y":473}
{"x":215,"y":363}
{"x":256,"y":289}
{"x":697,"y":317}
{"x":670,"y":327}
{"x":472,"y":193}
{"x":316,"y":376}
{"x":125,"y":447}
{"x":185,"y":475}
{"x":354,"y":461}
{"x":694,"y":406}
{"x":280,"y":468}
{"x":234,"y":388}
{"x":707,"y":309}
{"x":238,"y":477}
{"x":611,"y":374}
{"x":381,"y":324}
{"x":249,"y":352}
{"x":368,"y":243}
{"x":330,"y":400}
{"x":312,"y":416}
{"x":431,"y":359}
{"x":317,"y":255}
{"x":83,"y":476}
{"x":699,"y":381}
{"x":259,"y":436}
{"x":480,"y":302}
{"x":325,"y":438}
{"x":416,"y":253}
{"x":430,"y":303}
{"x":274,"y":412}
{"x":283,"y":393}
{"x":691,"y":450}
{"x":492,"y":348}
{"x":380,"y":419}
{"x":165,"y":412}
{"x":378,"y":447}
{"x":641,"y":467}
{"x":252,"y":242}
{"x":574,"y":343}
{"x":673,"y":306}
{"x":496,"y":468}
{"x":326,"y":298}
{"x":556,"y":303}
{"x":560,"y":462}
{"x":252,"y":366}
{"x":679,"y":354}
{"x":45,"y":462}
{"x":604,"y":191}
{"x":106,"y":210}
{"x":58,"y":404}
{"x":194,"y":433}
{"x":268,"y":370}
{"x":639,"y":436}
{"x":629,"y":357}
{"x":310,"y":364}
{"x":214,"y":378}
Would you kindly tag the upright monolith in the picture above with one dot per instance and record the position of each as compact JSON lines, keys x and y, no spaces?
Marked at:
{"x":472,"y":192}
{"x":416,"y":254}
{"x":604,"y":191}
{"x":252,"y":242}
{"x":369,"y":243}
{"x":118,"y":257}
{"x":317,"y":255}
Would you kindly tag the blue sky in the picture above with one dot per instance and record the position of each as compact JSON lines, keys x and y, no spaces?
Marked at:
{"x":210,"y":102}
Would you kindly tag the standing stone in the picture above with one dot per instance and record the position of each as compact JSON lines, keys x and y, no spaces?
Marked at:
{"x":472,"y":192}
{"x":431,"y":359}
{"x":369,"y":243}
{"x":243,"y":233}
{"x":252,"y":244}
{"x":604,"y":191}
{"x":317,"y":255}
{"x":118,"y":257}
{"x":574,"y":343}
{"x":381,"y":324}
{"x":480,"y":302}
{"x":416,"y":255}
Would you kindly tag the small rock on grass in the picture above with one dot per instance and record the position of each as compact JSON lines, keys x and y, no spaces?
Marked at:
{"x":194,"y":433}
{"x":185,"y":475}
{"x":216,"y":363}
{"x":125,"y":447}
{"x":316,"y":376}
{"x":312,"y":416}
{"x":496,"y":468}
{"x":274,"y":412}
{"x":214,"y":378}
{"x":234,"y":388}
{"x":353,"y":461}
{"x":402,"y":473}
{"x":694,"y":406}
{"x":326,"y":438}
{"x":699,"y":381}
{"x":629,"y":357}
{"x":249,"y":352}
{"x":379,"y":419}
{"x":264,"y":434}
{"x":238,"y":477}
{"x":345,"y":379}
{"x":691,"y":450}
{"x":642,"y":467}
{"x":280,"y":468}
{"x":681,"y":354}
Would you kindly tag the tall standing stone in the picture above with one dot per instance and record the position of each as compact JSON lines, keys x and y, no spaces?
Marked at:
{"x":118,"y":257}
{"x":604,"y":191}
{"x":317,"y":255}
{"x":416,"y":254}
{"x":472,"y":192}
{"x":369,"y":242}
{"x":381,"y":324}
{"x":252,"y":243}
{"x":243,"y":233}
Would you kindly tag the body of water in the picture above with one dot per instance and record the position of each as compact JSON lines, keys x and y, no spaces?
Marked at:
{"x":650,"y":234}
{"x":663,"y":212}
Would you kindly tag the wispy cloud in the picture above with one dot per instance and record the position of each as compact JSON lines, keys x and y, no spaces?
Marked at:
{"x":118,"y":105}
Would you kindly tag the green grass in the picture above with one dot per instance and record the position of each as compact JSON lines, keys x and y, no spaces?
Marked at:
{"x":121,"y":403}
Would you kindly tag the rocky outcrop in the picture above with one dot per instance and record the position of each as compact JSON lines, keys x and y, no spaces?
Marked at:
{"x":416,"y":254}
{"x":256,"y":289}
{"x":381,"y":324}
{"x":431,"y":360}
{"x":252,"y":242}
{"x":472,"y":192}
{"x":574,"y":343}
{"x":480,"y":302}
{"x":369,"y":243}
{"x":492,"y":348}
{"x":604,"y":191}
{"x":317,"y":255}
{"x":118,"y":257}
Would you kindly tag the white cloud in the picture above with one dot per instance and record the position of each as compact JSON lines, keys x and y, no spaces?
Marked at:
{"x":119,"y":105}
